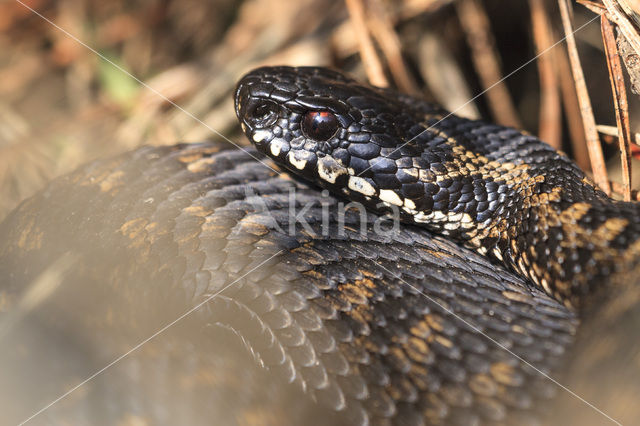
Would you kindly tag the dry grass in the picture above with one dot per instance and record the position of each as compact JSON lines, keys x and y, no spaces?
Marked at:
{"x":61,"y":105}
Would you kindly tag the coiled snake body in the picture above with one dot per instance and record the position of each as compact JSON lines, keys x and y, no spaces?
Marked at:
{"x":401,"y":327}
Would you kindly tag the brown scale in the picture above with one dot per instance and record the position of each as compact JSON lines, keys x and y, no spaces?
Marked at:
{"x":551,"y":225}
{"x":346,"y":332}
{"x":525,"y":186}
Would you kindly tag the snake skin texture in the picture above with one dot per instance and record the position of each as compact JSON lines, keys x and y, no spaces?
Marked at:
{"x":497,"y":190}
{"x":356,"y":324}
{"x":291,"y":310}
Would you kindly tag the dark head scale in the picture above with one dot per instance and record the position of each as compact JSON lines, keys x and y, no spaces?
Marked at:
{"x":330,"y":129}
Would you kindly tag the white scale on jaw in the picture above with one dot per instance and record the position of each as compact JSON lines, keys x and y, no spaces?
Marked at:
{"x":390,"y":197}
{"x":259,"y":135}
{"x":361,"y":185}
{"x":276,"y":146}
{"x":299,"y":158}
{"x":329,"y":169}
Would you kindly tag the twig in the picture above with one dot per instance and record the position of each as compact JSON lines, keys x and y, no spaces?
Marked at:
{"x":410,"y":8}
{"x":593,"y":143}
{"x":611,"y":136}
{"x":631,"y":61}
{"x":368,"y":54}
{"x":618,"y":16}
{"x":381,"y":27}
{"x":620,"y":101}
{"x":572,"y":110}
{"x":619,"y":189}
{"x":631,"y":8}
{"x":475,"y":24}
{"x":596,"y":8}
{"x":550,"y":127}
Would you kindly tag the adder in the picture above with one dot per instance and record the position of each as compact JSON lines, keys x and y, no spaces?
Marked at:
{"x":466,"y":313}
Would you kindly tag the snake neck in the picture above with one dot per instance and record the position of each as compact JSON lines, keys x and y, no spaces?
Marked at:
{"x":567,"y":249}
{"x":553,"y":226}
{"x":514,"y":198}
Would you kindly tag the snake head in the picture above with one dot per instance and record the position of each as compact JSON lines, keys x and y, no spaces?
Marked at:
{"x":343,"y":135}
{"x":316,"y":122}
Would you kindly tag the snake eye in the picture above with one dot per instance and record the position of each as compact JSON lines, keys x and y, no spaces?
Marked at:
{"x":319,"y":125}
{"x":263,"y":114}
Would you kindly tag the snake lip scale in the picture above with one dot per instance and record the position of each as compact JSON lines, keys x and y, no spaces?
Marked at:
{"x":497,"y":190}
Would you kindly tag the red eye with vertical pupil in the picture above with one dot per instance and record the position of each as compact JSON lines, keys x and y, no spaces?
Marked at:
{"x":319,"y":125}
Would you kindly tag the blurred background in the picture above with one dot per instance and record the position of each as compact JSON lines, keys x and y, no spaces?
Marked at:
{"x":61,"y":104}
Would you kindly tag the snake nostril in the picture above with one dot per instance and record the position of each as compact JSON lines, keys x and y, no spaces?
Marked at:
{"x":262,"y":114}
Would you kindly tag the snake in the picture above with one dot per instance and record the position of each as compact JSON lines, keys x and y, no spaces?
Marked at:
{"x":373,"y":259}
